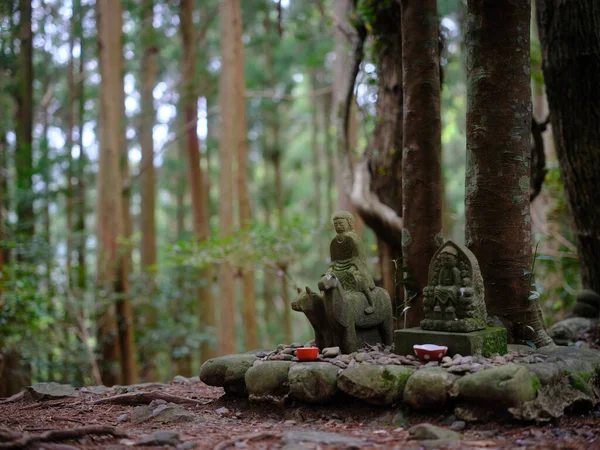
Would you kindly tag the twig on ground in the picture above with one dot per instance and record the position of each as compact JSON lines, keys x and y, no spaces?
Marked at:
{"x":246,"y":437}
{"x":61,"y":435}
{"x":15,"y":398}
{"x":145,"y":398}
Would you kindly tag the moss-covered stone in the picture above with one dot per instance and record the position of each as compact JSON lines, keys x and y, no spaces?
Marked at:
{"x":378,"y":385}
{"x":509,"y":385}
{"x":484,"y":342}
{"x":428,"y":389}
{"x":313,"y":382}
{"x":227,"y":372}
{"x":268,"y":379}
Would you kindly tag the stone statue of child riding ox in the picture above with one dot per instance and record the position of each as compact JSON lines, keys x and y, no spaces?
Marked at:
{"x":350,"y":310}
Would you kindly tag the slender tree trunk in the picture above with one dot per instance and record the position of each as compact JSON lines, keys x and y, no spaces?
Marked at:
{"x":148,"y":71}
{"x":570,"y":39}
{"x":274,"y":155}
{"x":125,"y":316}
{"x":228,"y":149}
{"x":421,"y":160}
{"x":112,"y":261}
{"x":314,"y":143}
{"x":343,"y":176}
{"x":81,"y":185}
{"x":279,"y":192}
{"x":19,"y":373}
{"x":249,"y":300}
{"x":498,"y":222}
{"x":205,"y":305}
{"x":24,"y":124}
{"x":69,"y":146}
{"x":327,"y":112}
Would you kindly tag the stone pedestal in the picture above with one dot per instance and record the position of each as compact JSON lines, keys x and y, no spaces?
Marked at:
{"x":483,"y":342}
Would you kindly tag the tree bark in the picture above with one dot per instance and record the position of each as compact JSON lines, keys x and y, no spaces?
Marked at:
{"x":228,"y":149}
{"x":205,"y":305}
{"x":111,"y":211}
{"x":570,"y":40}
{"x":24,"y":124}
{"x":81,"y":185}
{"x":383,"y":161}
{"x":421,"y":160}
{"x":69,"y":146}
{"x":344,"y":74}
{"x":148,"y":70}
{"x":498,"y":222}
{"x":249,"y":300}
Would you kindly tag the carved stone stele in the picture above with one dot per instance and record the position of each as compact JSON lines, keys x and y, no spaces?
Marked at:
{"x":454,"y":297}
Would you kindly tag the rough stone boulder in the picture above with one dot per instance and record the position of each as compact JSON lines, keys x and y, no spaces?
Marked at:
{"x":313,"y":382}
{"x":227,"y":372}
{"x":49,"y":391}
{"x":268,"y":380}
{"x":433,"y":436}
{"x":428,"y":389}
{"x":569,"y":329}
{"x":378,"y":385}
{"x":509,"y":385}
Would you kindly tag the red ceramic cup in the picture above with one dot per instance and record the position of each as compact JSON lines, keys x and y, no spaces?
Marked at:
{"x":307,"y":353}
{"x":430,"y":352}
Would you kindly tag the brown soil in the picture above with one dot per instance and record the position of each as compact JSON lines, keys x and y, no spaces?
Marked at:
{"x":261,"y":426}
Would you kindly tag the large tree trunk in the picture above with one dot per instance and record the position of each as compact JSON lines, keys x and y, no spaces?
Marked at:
{"x":205,"y":306}
{"x":421,"y":161}
{"x":228,"y":149}
{"x":498,"y":223}
{"x":383,"y":197}
{"x":570,"y":39}
{"x":248,"y":301}
{"x":148,"y":71}
{"x":112,"y":263}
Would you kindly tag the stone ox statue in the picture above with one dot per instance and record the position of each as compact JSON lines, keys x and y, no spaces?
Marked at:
{"x":351,"y":310}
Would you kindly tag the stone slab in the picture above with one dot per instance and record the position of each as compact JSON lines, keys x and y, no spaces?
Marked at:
{"x":483,"y":342}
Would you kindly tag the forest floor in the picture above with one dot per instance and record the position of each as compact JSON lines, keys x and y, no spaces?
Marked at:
{"x":218,"y":421}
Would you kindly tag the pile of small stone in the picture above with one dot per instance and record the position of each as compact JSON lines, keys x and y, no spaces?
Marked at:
{"x":383,"y":355}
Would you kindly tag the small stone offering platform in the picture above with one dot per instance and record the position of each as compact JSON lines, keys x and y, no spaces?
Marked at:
{"x":476,"y":343}
{"x":526,"y":384}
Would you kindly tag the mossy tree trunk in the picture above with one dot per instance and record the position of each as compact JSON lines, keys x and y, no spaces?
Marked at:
{"x":385,"y":160}
{"x":498,"y":222}
{"x":570,"y":39}
{"x":421,"y":158}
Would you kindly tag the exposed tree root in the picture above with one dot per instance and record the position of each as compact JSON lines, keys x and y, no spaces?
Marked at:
{"x":246,"y":437}
{"x":145,"y":398}
{"x":61,"y":435}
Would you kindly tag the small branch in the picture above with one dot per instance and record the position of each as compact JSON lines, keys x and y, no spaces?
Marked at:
{"x":246,"y":437}
{"x":62,"y":435}
{"x":145,"y":398}
{"x":382,"y":219}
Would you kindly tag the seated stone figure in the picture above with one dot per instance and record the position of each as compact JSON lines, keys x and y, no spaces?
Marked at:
{"x":454,"y":298}
{"x":348,"y":261}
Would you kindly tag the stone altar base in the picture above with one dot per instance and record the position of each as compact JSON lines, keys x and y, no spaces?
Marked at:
{"x":483,"y":342}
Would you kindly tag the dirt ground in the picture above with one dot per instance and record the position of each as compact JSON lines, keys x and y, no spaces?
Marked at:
{"x":250,"y":426}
